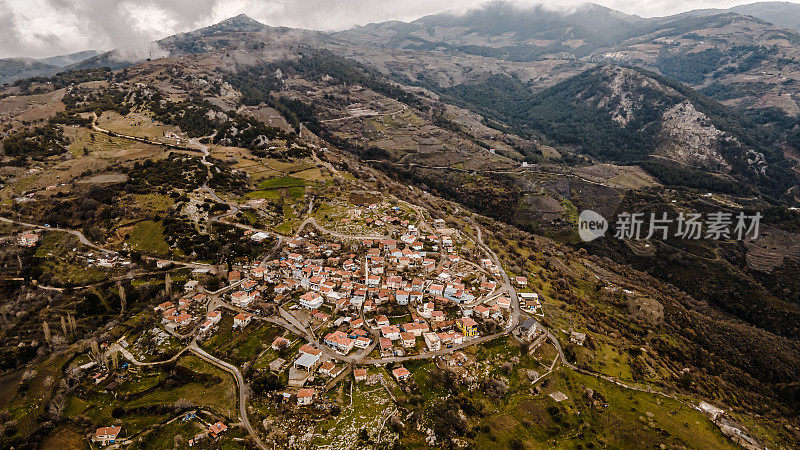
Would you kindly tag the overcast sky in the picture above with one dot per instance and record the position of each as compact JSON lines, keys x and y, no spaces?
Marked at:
{"x":40,"y":28}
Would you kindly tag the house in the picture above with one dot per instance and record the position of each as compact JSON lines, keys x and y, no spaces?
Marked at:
{"x":182,"y":319}
{"x":339,"y":341}
{"x":206,"y":326}
{"x":529,"y":300}
{"x":309,"y":350}
{"x":309,"y":358}
{"x":358,"y":297}
{"x":436,"y":289}
{"x":577,"y":338}
{"x":481,"y":311}
{"x":257,"y":273}
{"x":360,"y":374}
{"x":280,"y":343}
{"x":432,"y":341}
{"x":391,"y":332}
{"x":242,"y":299}
{"x":362,"y":342}
{"x":382,"y":321}
{"x":166,"y":306}
{"x":386,"y":346}
{"x":28,"y":239}
{"x":528,"y":328}
{"x":217,"y":429}
{"x":427,"y":309}
{"x":307,"y":361}
{"x":521,"y":281}
{"x":241,"y":320}
{"x":327,"y":368}
{"x":305,"y":396}
{"x":415,"y":328}
{"x":468,"y":326}
{"x":373,"y":280}
{"x":200,"y":272}
{"x":190,"y":285}
{"x":259,"y":236}
{"x":214,"y":316}
{"x":163,"y":264}
{"x":401,"y":373}
{"x":488,"y":286}
{"x":234,"y":276}
{"x":394,"y":282}
{"x":401,"y":297}
{"x":437,"y":316}
{"x":277,"y":364}
{"x":407,"y":339}
{"x":504,"y":302}
{"x":311,"y":300}
{"x":107,"y":435}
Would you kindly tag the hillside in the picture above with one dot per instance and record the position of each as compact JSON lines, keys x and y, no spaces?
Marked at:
{"x":626,"y":115}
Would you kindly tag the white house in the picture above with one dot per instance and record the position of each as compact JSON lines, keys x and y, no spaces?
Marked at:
{"x":311,"y":300}
{"x":107,"y":435}
{"x":241,"y":320}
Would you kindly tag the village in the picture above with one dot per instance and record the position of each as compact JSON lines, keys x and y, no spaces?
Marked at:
{"x":346,"y":303}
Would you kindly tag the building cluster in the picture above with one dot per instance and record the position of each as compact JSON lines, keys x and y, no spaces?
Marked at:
{"x":186,"y":311}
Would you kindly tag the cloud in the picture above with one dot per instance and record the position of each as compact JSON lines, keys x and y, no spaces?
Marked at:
{"x":41,"y":28}
{"x":47,"y":27}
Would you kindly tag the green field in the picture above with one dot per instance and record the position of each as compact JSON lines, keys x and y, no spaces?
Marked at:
{"x":281,"y":183}
{"x":148,"y":236}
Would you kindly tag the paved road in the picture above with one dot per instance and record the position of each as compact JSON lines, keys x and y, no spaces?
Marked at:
{"x":202,"y":354}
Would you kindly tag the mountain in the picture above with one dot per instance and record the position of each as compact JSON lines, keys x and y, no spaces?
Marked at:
{"x":501,"y":25}
{"x":720,"y":52}
{"x":239,"y":32}
{"x":72,"y":58}
{"x":782,"y":14}
{"x":13,"y":69}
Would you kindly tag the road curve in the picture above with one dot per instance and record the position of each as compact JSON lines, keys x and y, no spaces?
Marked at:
{"x":237,"y":375}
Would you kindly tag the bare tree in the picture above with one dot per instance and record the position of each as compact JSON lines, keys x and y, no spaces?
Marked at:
{"x":168,"y":285}
{"x":71,"y":321}
{"x":46,"y":328}
{"x":122,"y":299}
